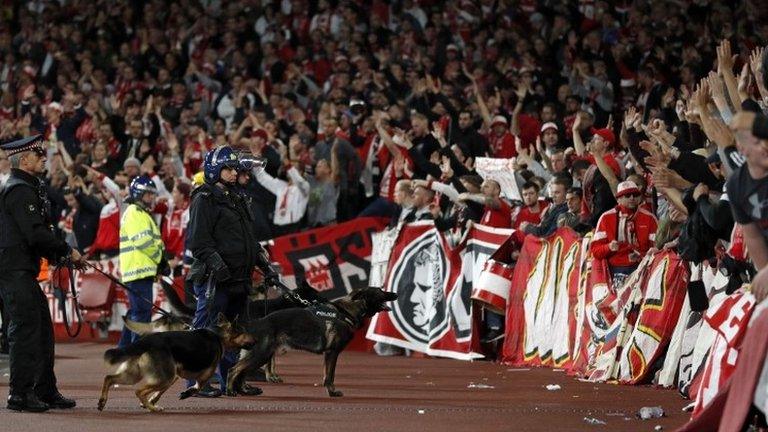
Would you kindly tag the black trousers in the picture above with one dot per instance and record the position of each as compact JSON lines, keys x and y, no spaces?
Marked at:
{"x":30,"y":334}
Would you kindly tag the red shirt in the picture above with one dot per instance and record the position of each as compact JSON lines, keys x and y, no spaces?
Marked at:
{"x":633,"y":231}
{"x":195,"y":161}
{"x":389,"y":178}
{"x":502,"y":146}
{"x":498,"y":218}
{"x":174,"y":228}
{"x":526,"y":214}
{"x":108,"y":233}
{"x":609,"y":159}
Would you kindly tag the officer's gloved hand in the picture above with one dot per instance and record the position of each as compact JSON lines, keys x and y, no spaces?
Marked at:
{"x":221,"y":273}
{"x":271,"y":278}
{"x":163,"y":268}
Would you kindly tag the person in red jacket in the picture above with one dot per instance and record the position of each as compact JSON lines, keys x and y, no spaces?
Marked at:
{"x":625,"y":233}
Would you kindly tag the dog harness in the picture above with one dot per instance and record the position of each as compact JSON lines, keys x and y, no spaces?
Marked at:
{"x":330,"y":312}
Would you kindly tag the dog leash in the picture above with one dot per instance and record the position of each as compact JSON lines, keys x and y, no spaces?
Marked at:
{"x":61,"y":293}
{"x":114,"y":280}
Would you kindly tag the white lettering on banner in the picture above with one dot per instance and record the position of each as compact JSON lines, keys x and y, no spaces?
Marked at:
{"x":350,"y":273}
{"x":732,"y":325}
{"x":729,"y":319}
{"x":316,"y":272}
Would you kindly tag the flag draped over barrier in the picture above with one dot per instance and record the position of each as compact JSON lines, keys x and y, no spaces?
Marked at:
{"x":540,"y":323}
{"x":564,"y":311}
{"x":433,"y":313}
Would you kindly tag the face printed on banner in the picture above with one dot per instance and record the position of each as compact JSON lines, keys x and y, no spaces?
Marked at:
{"x":427,"y":285}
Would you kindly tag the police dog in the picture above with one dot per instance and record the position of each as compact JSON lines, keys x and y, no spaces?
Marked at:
{"x":158,"y":360}
{"x":325,"y":328}
{"x":181,"y":316}
{"x":254,"y":309}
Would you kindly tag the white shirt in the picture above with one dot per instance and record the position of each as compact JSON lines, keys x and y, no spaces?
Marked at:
{"x":292,"y":199}
{"x":4,"y":178}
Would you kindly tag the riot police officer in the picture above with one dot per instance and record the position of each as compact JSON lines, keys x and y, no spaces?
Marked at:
{"x":223,"y":243}
{"x":26,"y":236}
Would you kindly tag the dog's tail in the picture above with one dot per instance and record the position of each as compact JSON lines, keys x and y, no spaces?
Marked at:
{"x":177,"y":305}
{"x":117,"y":355}
{"x":139,"y":328}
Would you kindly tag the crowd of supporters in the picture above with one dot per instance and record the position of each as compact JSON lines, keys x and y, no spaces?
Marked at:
{"x":616,"y":114}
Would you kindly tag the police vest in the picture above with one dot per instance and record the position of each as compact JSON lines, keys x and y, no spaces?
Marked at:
{"x":141,"y":246}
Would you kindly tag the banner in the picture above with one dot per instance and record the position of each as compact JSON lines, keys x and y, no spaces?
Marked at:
{"x":488,"y":257}
{"x":540,"y":319}
{"x":502,"y":171}
{"x":664,"y":289}
{"x":335,"y":259}
{"x":729,"y":320}
{"x":692,"y":340}
{"x":565,"y":312}
{"x":434,"y":313}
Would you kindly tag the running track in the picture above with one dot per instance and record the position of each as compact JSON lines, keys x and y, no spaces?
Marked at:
{"x":380,"y":394}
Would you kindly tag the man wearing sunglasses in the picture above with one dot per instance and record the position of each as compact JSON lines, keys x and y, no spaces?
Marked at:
{"x":625,"y":233}
{"x":26,"y":236}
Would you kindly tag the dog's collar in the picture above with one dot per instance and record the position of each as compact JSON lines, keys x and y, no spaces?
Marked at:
{"x":347,"y":317}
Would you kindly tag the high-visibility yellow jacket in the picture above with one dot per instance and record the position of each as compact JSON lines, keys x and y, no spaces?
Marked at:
{"x":141,"y":246}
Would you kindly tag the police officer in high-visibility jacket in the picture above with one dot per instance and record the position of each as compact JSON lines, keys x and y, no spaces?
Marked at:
{"x":141,"y":253}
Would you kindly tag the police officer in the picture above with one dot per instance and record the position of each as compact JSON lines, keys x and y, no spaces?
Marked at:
{"x":222,"y":240}
{"x":141,"y":253}
{"x":247,"y":189}
{"x":26,"y":236}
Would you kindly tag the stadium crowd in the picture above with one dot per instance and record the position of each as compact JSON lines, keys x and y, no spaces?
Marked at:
{"x":617,"y":115}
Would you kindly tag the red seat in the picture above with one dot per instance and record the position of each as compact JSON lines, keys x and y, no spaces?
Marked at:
{"x":96,"y":297}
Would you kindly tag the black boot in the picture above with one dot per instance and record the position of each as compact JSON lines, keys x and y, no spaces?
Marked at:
{"x":57,"y":401}
{"x":208,"y":391}
{"x":29,"y":403}
{"x":250,"y":390}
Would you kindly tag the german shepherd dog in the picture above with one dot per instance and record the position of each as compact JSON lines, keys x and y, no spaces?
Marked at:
{"x":325,"y":328}
{"x":158,"y":360}
{"x":181,"y":318}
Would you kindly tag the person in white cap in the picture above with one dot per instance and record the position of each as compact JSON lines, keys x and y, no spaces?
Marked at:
{"x":625,"y":233}
{"x":549,"y":136}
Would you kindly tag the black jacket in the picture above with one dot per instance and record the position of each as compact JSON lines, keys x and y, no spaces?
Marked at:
{"x":471,"y":140}
{"x":26,"y":230}
{"x":86,"y":220}
{"x":222,"y":234}
{"x":549,"y":224}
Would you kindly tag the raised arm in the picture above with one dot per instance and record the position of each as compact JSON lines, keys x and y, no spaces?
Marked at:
{"x":578,"y":143}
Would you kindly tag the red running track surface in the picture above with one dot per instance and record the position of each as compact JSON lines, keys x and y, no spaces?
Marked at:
{"x":380,"y":394}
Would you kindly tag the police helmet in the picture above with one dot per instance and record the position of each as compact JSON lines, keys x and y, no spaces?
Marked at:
{"x":216,"y":160}
{"x":141,"y":185}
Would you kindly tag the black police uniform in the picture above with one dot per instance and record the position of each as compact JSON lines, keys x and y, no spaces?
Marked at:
{"x":26,"y":236}
{"x":223,"y":240}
